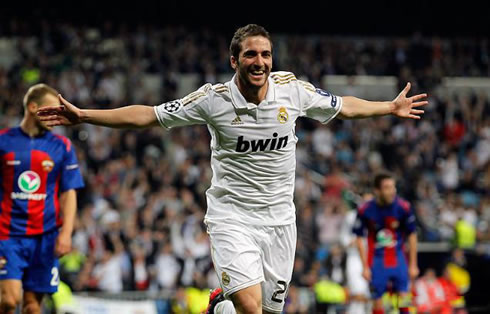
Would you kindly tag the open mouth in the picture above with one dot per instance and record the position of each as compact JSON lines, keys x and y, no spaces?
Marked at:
{"x":257,"y":74}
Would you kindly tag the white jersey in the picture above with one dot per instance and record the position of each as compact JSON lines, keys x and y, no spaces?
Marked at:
{"x":253,"y":146}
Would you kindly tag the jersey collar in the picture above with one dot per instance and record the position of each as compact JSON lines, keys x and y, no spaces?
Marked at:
{"x":240,"y":102}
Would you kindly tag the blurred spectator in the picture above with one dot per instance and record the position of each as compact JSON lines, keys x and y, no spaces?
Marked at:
{"x":429,"y":294}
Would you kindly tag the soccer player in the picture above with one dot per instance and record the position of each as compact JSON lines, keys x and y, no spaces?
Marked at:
{"x":251,"y":119}
{"x":387,"y":221}
{"x":38,"y":177}
{"x":356,"y":283}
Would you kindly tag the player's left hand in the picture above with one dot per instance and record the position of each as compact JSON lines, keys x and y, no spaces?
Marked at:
{"x":404,"y":106}
{"x":413,"y":272}
{"x":63,"y":244}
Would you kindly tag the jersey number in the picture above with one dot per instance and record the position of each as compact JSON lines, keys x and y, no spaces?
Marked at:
{"x":55,"y":280}
{"x":280,"y":291}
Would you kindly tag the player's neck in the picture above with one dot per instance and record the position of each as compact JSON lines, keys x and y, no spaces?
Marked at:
{"x":252,"y":94}
{"x":30,"y":127}
{"x":383,"y":203}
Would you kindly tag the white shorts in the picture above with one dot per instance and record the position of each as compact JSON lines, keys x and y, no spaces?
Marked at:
{"x":355,"y":281}
{"x":245,"y":255}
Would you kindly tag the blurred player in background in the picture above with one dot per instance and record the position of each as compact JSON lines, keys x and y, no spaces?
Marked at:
{"x":251,"y":119}
{"x":39,"y":174}
{"x":387,"y":221}
{"x":358,"y":286}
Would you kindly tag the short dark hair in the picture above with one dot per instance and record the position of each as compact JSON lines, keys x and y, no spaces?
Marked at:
{"x":244,"y":32}
{"x":37,"y":92}
{"x":380,"y":177}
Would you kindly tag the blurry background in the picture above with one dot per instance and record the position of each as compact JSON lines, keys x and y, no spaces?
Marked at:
{"x":139,"y":235}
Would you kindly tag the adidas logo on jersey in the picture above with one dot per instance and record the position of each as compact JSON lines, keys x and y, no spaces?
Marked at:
{"x":261,"y":145}
{"x":236,"y":121}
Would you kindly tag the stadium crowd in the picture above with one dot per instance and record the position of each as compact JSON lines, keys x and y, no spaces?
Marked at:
{"x":140,"y":218}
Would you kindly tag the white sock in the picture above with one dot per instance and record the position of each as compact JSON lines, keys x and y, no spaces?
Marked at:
{"x":225,"y":307}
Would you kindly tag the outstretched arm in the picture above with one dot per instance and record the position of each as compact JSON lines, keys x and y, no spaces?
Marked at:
{"x":134,"y":117}
{"x":402,"y":106}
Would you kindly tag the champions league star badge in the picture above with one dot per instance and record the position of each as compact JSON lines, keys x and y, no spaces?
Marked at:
{"x":283,"y":115}
{"x":172,"y":106}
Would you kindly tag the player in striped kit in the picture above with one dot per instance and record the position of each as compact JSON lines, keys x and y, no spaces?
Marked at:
{"x":38,"y":174}
{"x":251,"y":119}
{"x":387,"y":221}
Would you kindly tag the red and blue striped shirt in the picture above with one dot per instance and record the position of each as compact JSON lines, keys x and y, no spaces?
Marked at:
{"x":33,"y":172}
{"x":386,"y":229}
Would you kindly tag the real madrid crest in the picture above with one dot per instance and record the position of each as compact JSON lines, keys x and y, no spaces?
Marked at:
{"x":225,"y":279}
{"x":283,"y":115}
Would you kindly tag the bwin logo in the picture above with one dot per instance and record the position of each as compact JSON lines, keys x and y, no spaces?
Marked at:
{"x":274,"y":143}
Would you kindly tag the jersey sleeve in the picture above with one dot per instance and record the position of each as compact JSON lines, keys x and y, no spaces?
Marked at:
{"x":409,"y":220}
{"x":317,"y":103}
{"x":192,"y":109}
{"x":71,"y":177}
{"x":359,"y":227}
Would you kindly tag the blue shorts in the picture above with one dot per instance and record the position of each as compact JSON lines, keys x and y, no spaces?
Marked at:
{"x":31,"y":260}
{"x":381,"y":275}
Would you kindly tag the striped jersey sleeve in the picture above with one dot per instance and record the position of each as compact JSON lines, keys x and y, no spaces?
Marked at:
{"x":192,"y":109}
{"x":317,"y":103}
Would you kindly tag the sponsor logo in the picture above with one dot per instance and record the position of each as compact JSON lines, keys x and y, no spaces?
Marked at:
{"x":236,"y":121}
{"x":47,"y":165}
{"x":29,"y":181}
{"x":283,"y":115}
{"x":261,"y":145}
{"x":172,"y":106}
{"x":225,"y":279}
{"x":25,"y":196}
{"x":385,"y":238}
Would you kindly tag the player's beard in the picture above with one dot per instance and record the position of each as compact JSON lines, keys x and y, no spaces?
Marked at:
{"x":244,"y":75}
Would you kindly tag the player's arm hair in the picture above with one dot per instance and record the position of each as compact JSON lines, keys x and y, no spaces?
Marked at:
{"x":412,"y":249}
{"x":362,"y":251}
{"x":68,"y":207}
{"x":132,"y":117}
{"x":357,"y":108}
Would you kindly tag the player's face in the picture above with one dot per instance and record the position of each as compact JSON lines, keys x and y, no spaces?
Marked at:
{"x":254,"y":61}
{"x":387,"y":191}
{"x":47,"y":100}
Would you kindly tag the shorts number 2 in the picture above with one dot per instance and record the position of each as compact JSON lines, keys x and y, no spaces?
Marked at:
{"x":279,"y":292}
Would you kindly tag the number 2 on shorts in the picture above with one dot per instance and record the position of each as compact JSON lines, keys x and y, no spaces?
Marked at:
{"x":280,"y":291}
{"x":55,"y":280}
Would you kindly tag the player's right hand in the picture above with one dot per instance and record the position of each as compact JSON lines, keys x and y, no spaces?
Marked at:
{"x":366,"y":273}
{"x":65,"y":114}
